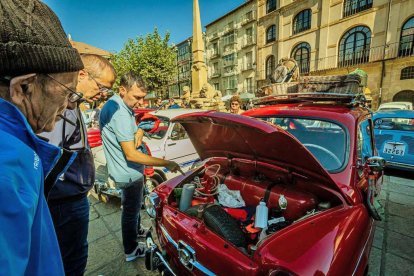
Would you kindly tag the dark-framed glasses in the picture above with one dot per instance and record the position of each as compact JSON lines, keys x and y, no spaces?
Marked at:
{"x":102,"y":89}
{"x":73,"y":95}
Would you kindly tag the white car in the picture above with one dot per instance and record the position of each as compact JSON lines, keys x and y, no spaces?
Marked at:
{"x":395,"y":106}
{"x":170,"y":141}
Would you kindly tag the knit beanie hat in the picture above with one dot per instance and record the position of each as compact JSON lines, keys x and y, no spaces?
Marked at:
{"x":32,"y":40}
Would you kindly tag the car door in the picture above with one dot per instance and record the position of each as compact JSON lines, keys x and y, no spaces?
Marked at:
{"x":178,"y":147}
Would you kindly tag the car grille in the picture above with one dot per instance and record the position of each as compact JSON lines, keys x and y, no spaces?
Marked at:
{"x":381,"y":138}
{"x":410,"y":142}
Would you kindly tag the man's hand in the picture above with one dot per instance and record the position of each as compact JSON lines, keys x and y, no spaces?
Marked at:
{"x":174,"y":167}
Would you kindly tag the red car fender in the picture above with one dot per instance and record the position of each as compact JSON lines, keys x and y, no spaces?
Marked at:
{"x":336,"y":242}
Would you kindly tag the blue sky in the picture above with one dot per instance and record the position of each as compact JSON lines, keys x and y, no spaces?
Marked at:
{"x":108,"y":24}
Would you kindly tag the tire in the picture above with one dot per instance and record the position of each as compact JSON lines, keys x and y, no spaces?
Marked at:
{"x":220,"y":222}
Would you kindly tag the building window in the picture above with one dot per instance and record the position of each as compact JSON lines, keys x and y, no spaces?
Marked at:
{"x":354,"y":46}
{"x":271,"y":34}
{"x":407,"y":73}
{"x":216,"y":86}
{"x":249,"y":85}
{"x":214,"y":50}
{"x":249,"y":61}
{"x":270,"y":6}
{"x":270,"y":66}
{"x":228,"y":39}
{"x":355,"y":6}
{"x":301,"y":53}
{"x":407,"y":38}
{"x":302,"y":21}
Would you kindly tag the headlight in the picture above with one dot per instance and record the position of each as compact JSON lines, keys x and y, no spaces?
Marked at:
{"x":151,"y":202}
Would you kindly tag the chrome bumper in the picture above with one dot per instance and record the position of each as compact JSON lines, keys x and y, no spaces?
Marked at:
{"x":398,"y":165}
{"x":154,"y":260}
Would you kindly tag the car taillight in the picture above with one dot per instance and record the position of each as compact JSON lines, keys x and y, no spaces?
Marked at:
{"x":149,"y":170}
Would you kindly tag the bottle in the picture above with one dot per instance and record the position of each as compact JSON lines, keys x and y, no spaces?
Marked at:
{"x":186,"y":196}
{"x":261,"y":217}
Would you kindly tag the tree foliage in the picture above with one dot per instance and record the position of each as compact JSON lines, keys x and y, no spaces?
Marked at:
{"x":150,"y":56}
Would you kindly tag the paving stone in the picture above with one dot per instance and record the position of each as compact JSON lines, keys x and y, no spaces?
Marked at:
{"x":97,"y":230}
{"x":378,"y":237}
{"x":106,"y":208}
{"x":400,"y":245}
{"x":374,"y":262}
{"x":395,"y":265}
{"x":92,"y":199}
{"x":93,"y":214}
{"x":103,"y":252}
{"x":405,"y":189}
{"x":113,"y":221}
{"x":400,"y":210}
{"x":400,"y":180}
{"x":402,"y":199}
{"x":401,"y":225}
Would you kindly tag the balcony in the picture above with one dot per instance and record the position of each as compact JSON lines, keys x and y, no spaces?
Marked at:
{"x":214,"y":54}
{"x":229,"y":63}
{"x":230,"y":72}
{"x":229,"y":49}
{"x":354,"y":7}
{"x":215,"y":74}
{"x":248,"y":66}
{"x":248,"y":17}
{"x":370,"y":55}
{"x":248,"y":41}
{"x":229,"y":27}
{"x":214,"y":37}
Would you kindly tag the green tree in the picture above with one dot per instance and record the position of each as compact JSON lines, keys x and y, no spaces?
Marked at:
{"x":150,"y":56}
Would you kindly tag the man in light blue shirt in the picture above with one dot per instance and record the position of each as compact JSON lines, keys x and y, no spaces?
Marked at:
{"x":125,"y":163}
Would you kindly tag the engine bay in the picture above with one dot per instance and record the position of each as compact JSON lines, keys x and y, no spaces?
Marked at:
{"x":246,"y":202}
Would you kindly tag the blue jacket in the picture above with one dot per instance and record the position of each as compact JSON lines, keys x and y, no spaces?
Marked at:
{"x":28,"y":243}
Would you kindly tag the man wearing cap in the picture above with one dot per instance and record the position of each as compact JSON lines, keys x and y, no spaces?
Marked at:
{"x":67,"y":200}
{"x":38,"y":75}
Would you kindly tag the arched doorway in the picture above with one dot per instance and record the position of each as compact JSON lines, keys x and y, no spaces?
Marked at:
{"x":404,"y":96}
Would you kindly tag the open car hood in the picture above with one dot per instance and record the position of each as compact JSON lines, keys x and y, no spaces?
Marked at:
{"x":217,"y":134}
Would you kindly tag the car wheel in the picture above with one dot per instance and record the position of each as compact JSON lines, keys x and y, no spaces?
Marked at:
{"x":220,"y":222}
{"x":153,"y":182}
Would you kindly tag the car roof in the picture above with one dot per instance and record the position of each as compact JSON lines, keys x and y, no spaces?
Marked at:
{"x":400,"y":113}
{"x":174,"y":112}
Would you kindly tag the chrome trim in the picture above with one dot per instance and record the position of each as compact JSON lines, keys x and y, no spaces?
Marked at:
{"x":363,"y":251}
{"x":400,"y":165}
{"x":154,"y":248}
{"x":194,"y":262}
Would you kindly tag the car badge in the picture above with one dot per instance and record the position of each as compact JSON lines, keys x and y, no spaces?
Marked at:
{"x":283,"y":202}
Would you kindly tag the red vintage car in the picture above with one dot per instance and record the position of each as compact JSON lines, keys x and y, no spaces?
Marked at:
{"x":290,"y":192}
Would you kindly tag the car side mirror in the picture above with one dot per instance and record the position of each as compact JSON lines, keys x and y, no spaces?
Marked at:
{"x":376,"y":163}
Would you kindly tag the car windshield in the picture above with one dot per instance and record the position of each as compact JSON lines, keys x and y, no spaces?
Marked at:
{"x":394,"y":124}
{"x":326,"y":140}
{"x":161,"y":130}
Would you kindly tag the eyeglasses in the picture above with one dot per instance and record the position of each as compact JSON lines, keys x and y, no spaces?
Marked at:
{"x":73,"y":95}
{"x":235,"y":104}
{"x":102,"y":89}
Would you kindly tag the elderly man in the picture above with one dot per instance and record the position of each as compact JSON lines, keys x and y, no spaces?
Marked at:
{"x":68,"y":202}
{"x":125,"y":162}
{"x":38,"y":75}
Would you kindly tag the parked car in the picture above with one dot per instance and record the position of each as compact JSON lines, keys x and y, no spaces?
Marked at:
{"x":318,"y":184}
{"x":169,"y":141}
{"x":394,"y":133}
{"x":396,"y":106}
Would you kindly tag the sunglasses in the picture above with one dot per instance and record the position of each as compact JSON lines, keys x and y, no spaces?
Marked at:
{"x":73,"y":95}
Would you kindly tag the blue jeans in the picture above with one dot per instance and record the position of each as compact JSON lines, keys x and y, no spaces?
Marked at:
{"x":131,"y":200}
{"x":71,"y":221}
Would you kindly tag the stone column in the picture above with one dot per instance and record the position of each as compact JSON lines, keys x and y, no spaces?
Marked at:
{"x":199,"y":68}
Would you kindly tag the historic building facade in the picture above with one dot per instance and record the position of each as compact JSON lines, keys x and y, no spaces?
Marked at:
{"x":329,"y":37}
{"x":183,"y":75}
{"x":231,"y":50}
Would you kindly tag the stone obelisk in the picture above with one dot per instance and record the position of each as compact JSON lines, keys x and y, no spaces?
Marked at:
{"x":199,"y":68}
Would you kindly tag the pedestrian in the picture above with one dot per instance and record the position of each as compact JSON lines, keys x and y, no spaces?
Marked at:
{"x":158,"y":103}
{"x":68,"y":202}
{"x":172,"y":104}
{"x":235,"y":105}
{"x":126,"y":163}
{"x":38,"y":75}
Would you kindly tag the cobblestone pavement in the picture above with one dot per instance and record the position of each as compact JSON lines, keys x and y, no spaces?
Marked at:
{"x":392,"y":252}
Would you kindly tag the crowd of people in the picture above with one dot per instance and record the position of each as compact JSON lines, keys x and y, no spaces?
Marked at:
{"x":46,"y":167}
